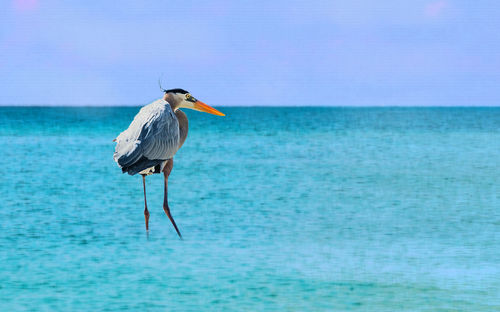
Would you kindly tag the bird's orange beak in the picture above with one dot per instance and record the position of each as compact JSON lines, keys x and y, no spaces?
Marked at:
{"x":202,"y":107}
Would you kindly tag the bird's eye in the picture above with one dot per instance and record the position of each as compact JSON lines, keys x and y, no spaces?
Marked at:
{"x":188,"y":96}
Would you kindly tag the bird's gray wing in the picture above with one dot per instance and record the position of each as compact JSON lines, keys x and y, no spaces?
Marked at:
{"x":152,"y":137}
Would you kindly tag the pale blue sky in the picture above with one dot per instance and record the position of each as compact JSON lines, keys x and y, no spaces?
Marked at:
{"x":393,"y":52}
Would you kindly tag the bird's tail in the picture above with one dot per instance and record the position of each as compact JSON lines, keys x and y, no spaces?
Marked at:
{"x":140,"y":165}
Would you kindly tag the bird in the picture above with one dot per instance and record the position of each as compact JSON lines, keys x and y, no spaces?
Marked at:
{"x":154,"y":136}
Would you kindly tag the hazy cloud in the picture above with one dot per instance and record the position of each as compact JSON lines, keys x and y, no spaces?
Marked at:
{"x":24,"y":5}
{"x":436,"y":8}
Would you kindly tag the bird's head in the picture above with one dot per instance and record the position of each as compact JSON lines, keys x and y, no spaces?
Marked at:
{"x":179,"y":98}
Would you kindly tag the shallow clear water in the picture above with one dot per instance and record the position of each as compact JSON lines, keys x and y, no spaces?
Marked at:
{"x":319,"y":209}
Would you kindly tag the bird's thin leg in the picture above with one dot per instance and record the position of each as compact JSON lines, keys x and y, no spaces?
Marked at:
{"x":166,"y":173}
{"x":146,"y":212}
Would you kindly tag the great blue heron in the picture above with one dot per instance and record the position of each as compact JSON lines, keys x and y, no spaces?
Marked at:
{"x":154,"y":136}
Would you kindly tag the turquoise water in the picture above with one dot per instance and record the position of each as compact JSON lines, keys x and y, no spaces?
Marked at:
{"x":289,"y":209}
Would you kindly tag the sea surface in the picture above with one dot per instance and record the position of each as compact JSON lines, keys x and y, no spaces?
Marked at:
{"x":281,"y":209}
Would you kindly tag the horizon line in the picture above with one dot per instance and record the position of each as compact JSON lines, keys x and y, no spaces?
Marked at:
{"x":260,"y":106}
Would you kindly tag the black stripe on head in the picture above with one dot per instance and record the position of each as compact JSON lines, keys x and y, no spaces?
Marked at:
{"x":181,"y":91}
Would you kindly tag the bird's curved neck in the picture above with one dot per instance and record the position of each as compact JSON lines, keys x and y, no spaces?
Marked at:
{"x":174,"y":103}
{"x":183,"y":126}
{"x":181,"y":117}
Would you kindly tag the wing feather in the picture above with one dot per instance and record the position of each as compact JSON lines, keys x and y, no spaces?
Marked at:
{"x":152,"y":136}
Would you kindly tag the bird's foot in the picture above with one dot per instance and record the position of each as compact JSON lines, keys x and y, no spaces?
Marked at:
{"x":167,"y":211}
